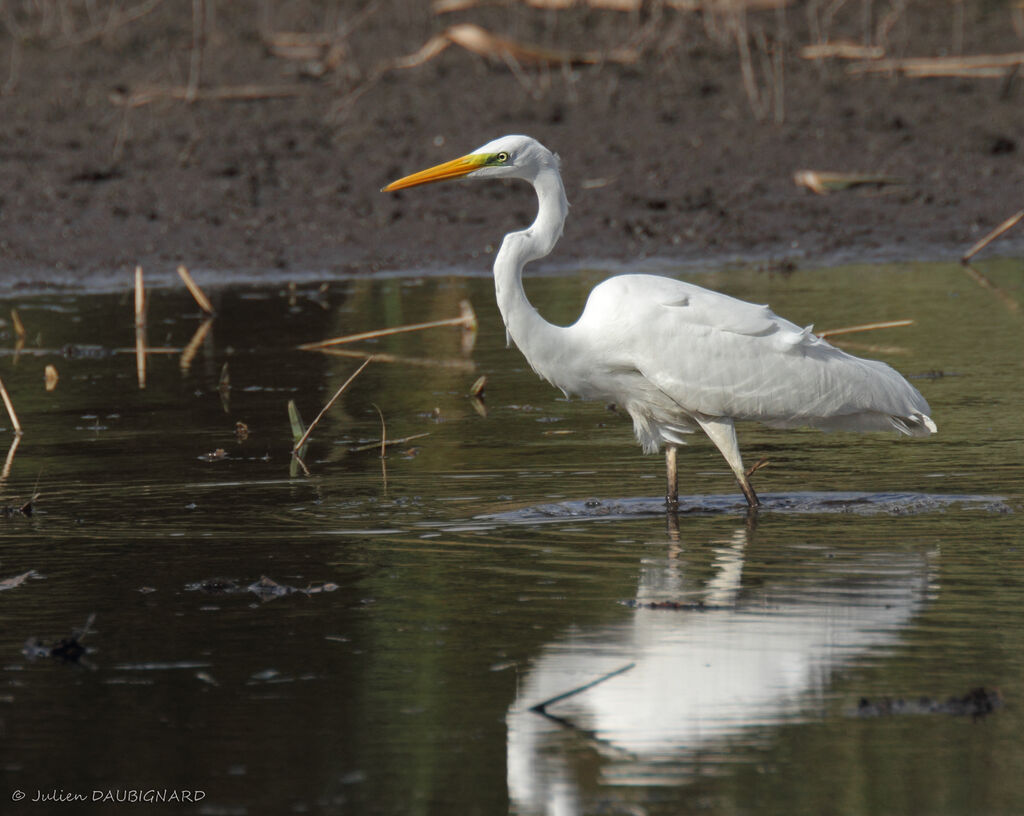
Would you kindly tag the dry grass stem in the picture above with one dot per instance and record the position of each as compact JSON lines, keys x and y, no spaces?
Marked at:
{"x":1008,"y":224}
{"x":327,"y":407}
{"x":477,"y":389}
{"x":9,"y":461}
{"x":823,"y":182}
{"x":887,"y":324}
{"x":757,"y":466}
{"x":147,"y":94}
{"x":188,"y":355}
{"x":978,"y":66}
{"x":483,"y":43}
{"x":842,"y":49}
{"x":379,"y":357}
{"x":10,"y":408}
{"x":449,"y":6}
{"x":383,"y":431}
{"x":140,"y":299}
{"x":195,"y":291}
{"x":467,"y":320}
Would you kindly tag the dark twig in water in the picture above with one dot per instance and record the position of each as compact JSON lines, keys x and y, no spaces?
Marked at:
{"x":326,"y":408}
{"x":389,"y":443}
{"x":541,"y":708}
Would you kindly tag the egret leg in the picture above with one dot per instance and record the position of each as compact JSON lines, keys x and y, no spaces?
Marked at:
{"x":672,"y":494}
{"x":722,"y":432}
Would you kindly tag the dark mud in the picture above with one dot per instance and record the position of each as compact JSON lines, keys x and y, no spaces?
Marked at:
{"x":662,"y":158}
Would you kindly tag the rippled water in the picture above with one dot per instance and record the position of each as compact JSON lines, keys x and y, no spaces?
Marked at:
{"x":499,"y":616}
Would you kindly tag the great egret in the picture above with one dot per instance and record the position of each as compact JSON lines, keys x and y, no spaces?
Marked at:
{"x":676,"y":357}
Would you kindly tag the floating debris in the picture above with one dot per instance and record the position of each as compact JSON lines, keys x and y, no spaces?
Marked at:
{"x":66,"y":650}
{"x":18,"y":580}
{"x":977,"y":703}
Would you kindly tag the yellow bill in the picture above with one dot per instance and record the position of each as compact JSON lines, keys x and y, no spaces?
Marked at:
{"x":456,"y":168}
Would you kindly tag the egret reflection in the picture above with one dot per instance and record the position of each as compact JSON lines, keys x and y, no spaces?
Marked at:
{"x":704,"y":662}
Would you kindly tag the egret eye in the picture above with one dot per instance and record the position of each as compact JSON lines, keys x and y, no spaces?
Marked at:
{"x":502,"y":157}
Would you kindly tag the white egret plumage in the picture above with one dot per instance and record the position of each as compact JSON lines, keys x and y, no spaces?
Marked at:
{"x":675,"y":356}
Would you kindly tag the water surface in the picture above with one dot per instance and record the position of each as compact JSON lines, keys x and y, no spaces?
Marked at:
{"x":516,"y":555}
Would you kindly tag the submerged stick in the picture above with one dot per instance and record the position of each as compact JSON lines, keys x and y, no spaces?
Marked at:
{"x":540,"y":708}
{"x":887,"y":324}
{"x":195,"y":291}
{"x":1009,"y":223}
{"x":467,"y":320}
{"x":327,"y":407}
{"x":390,"y":443}
{"x":10,"y":409}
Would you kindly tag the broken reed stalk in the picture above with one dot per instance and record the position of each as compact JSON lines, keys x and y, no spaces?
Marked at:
{"x":327,"y":407}
{"x":19,"y":327}
{"x":1008,"y":224}
{"x":383,"y":430}
{"x":887,"y":324}
{"x":10,"y":409}
{"x":467,"y":320}
{"x":382,"y":357}
{"x":140,"y":355}
{"x":193,"y":345}
{"x":195,"y":291}
{"x":140,"y":299}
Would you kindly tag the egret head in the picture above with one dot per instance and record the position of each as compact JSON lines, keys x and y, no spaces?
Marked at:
{"x":507,"y":157}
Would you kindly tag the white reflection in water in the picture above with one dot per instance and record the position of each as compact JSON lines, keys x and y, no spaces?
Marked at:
{"x":698,"y":677}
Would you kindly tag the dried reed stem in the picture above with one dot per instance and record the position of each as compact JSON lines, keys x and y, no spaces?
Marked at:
{"x":188,"y":355}
{"x":327,"y":407}
{"x":140,"y":299}
{"x":9,"y":461}
{"x":10,"y":408}
{"x":140,"y":355}
{"x":195,"y":291}
{"x":19,"y":327}
{"x":1009,"y":223}
{"x":381,"y":357}
{"x":467,"y":320}
{"x":887,"y":324}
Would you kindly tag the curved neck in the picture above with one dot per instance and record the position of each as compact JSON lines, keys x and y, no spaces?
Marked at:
{"x":524,"y":325}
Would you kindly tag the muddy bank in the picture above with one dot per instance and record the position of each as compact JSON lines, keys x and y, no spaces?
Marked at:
{"x":664,"y":157}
